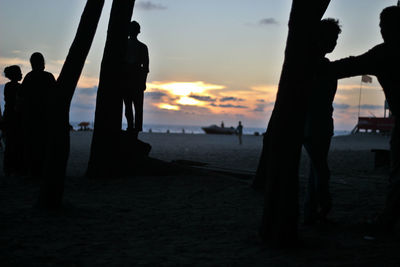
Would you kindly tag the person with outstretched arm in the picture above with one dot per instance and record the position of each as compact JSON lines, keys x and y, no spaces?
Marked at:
{"x":383,"y":61}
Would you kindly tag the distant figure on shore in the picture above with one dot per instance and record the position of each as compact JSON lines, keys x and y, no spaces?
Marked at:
{"x":239,"y":131}
{"x":383,"y":61}
{"x":318,"y":129}
{"x":84,"y":126}
{"x":12,"y":122}
{"x":137,"y":68}
{"x":37,"y":91}
{"x":222,"y":124}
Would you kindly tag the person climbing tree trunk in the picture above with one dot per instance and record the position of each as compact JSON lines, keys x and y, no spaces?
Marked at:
{"x":103,"y":162}
{"x":58,"y":144}
{"x":277,"y":173}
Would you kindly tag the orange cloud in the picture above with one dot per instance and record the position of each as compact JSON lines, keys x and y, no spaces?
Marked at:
{"x":88,"y":82}
{"x":357,"y":86}
{"x":179,"y":93}
{"x":267,"y":89}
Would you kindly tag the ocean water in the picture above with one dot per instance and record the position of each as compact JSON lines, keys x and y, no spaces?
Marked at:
{"x":192,"y":129}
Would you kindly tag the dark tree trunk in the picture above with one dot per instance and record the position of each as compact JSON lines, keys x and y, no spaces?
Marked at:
{"x":103,"y":162}
{"x":277,"y":173}
{"x":58,"y":143}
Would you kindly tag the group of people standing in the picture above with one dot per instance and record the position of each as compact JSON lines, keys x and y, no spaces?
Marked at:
{"x":383,"y":62}
{"x":26,"y":106}
{"x":25,"y":113}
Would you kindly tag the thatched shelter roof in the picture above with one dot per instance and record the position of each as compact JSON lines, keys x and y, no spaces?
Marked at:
{"x":84,"y":124}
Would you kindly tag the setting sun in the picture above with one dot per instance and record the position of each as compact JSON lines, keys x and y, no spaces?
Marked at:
{"x":188,"y":101}
{"x":201,"y":98}
{"x":185,"y":88}
{"x":167,"y":106}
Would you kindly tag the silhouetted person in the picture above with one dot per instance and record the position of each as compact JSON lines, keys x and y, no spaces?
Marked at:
{"x":383,"y":61}
{"x":222,"y":124}
{"x":37,"y":90}
{"x":12,"y":122}
{"x":239,"y":130}
{"x":318,"y":129}
{"x":137,"y":64}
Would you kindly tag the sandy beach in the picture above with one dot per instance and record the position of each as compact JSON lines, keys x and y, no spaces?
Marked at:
{"x":208,"y":217}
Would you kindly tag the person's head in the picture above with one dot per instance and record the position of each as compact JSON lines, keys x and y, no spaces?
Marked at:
{"x":240,"y":123}
{"x":37,"y":61}
{"x":390,"y":24}
{"x":327,"y":33}
{"x":13,"y":73}
{"x":134,"y":29}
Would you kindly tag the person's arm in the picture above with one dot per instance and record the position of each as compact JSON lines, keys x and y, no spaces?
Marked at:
{"x":23,"y":91}
{"x":7,"y":101}
{"x":1,"y":114}
{"x":145,"y":66}
{"x":52,"y":86}
{"x":7,"y":94}
{"x":146,"y":60}
{"x":354,"y":66}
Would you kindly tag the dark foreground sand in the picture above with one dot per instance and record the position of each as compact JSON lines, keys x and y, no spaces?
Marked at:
{"x":202,"y":218}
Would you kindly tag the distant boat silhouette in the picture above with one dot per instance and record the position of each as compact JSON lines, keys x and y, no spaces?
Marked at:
{"x":214,"y":129}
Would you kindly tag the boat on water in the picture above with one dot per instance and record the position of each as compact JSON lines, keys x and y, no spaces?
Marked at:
{"x":214,"y":129}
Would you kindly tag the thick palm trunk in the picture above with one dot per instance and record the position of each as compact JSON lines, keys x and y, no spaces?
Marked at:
{"x":57,"y":151}
{"x":108,"y":117}
{"x":279,"y":163}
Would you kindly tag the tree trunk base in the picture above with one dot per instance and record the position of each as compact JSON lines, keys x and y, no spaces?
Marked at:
{"x":128,"y":157}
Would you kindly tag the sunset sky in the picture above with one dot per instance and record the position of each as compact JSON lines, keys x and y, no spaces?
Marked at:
{"x":210,"y":60}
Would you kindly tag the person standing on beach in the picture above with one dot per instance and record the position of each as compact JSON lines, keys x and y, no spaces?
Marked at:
{"x":239,"y":131}
{"x":318,"y":129}
{"x":383,"y":61}
{"x":12,"y":122}
{"x":37,"y":89}
{"x":137,"y":69}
